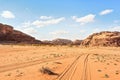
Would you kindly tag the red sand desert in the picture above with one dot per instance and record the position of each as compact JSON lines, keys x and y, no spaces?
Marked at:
{"x":63,"y":63}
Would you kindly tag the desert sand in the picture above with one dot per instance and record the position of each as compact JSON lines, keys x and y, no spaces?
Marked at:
{"x":65,"y":62}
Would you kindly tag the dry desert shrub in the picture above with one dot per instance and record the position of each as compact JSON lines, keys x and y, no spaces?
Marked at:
{"x":46,"y":70}
{"x":106,"y":76}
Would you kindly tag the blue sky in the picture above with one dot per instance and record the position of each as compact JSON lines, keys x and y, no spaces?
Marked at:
{"x":70,"y":19}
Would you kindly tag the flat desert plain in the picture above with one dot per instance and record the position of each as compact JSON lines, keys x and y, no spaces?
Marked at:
{"x":59,"y":63}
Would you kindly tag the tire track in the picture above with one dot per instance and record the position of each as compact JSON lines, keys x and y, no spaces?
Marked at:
{"x":70,"y":72}
{"x":85,"y":75}
{"x":26,"y":64}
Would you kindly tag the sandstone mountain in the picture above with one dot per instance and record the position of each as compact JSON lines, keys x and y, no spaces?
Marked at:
{"x":9,"y":35}
{"x":59,"y":41}
{"x":105,"y":38}
{"x":47,"y":42}
{"x":77,"y":42}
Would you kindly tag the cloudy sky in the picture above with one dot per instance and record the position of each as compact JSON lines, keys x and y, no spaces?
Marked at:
{"x":69,"y":19}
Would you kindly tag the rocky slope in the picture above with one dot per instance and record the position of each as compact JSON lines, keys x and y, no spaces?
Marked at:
{"x":47,"y":42}
{"x":105,"y":38}
{"x":77,"y":42}
{"x":9,"y":35}
{"x":61,"y":41}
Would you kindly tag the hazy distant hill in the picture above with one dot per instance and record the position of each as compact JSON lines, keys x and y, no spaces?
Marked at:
{"x":59,"y":41}
{"x":105,"y":38}
{"x":77,"y":42}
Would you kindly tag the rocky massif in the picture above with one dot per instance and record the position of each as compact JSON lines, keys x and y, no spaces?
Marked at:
{"x":9,"y":35}
{"x":105,"y":38}
{"x":58,"y":41}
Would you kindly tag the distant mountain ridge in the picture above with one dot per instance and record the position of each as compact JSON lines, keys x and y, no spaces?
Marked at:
{"x":104,"y":38}
{"x":60,"y":41}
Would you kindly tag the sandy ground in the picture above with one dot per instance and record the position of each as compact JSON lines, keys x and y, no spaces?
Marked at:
{"x":69,"y":63}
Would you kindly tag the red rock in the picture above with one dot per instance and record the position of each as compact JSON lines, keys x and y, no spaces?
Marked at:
{"x":9,"y":35}
{"x":77,"y":42}
{"x":105,"y":38}
{"x":61,"y":41}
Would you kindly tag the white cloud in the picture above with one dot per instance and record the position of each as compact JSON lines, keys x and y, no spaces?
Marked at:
{"x":41,"y":23}
{"x":86,"y":19}
{"x":26,"y":24}
{"x":115,"y":28}
{"x":74,"y":17}
{"x":30,"y":30}
{"x":45,"y":17}
{"x":7,"y":14}
{"x":107,"y":11}
{"x":60,"y":32}
{"x":96,"y":30}
{"x":27,"y":28}
{"x":82,"y":31}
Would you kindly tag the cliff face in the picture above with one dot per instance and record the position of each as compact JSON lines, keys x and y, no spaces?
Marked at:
{"x":105,"y":38}
{"x":8,"y":34}
{"x":5,"y":29}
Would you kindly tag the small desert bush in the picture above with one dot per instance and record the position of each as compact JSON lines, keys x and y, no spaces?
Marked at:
{"x":117,"y":72}
{"x":46,"y":70}
{"x":106,"y":76}
{"x":99,"y":70}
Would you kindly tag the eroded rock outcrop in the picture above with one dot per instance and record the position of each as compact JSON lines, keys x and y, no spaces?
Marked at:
{"x":61,"y":42}
{"x":105,"y":38}
{"x":9,"y":35}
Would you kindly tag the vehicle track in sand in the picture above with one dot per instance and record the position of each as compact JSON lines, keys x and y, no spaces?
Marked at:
{"x":27,"y":64}
{"x":78,"y":70}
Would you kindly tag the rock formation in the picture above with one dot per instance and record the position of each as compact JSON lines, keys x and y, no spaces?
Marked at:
{"x":47,"y":42}
{"x":105,"y":38}
{"x":61,"y":42}
{"x":77,"y":42}
{"x":9,"y":35}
